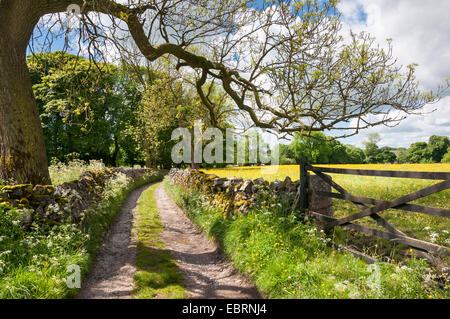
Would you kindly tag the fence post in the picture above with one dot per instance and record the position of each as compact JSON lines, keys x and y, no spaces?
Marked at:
{"x":303,"y":186}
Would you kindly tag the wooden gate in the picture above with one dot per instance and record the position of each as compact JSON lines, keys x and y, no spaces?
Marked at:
{"x":423,"y":248}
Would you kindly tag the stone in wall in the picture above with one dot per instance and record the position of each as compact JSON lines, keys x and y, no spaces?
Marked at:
{"x":54,"y":204}
{"x":237,"y":196}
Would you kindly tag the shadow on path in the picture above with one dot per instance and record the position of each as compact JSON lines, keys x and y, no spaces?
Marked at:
{"x":206,"y":273}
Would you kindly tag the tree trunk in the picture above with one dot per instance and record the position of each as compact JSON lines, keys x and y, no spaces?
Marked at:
{"x":23,"y":156}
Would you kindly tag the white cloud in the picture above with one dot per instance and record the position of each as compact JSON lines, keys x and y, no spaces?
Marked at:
{"x":415,"y":128}
{"x":420,"y":33}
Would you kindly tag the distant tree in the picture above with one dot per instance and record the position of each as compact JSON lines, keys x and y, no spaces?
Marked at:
{"x":446,"y":157}
{"x":315,"y":149}
{"x":385,"y":155}
{"x":286,"y":155}
{"x":253,"y":143}
{"x":339,"y":153}
{"x":402,"y":155}
{"x":168,"y":104}
{"x":371,"y":150}
{"x":416,"y":152}
{"x":436,"y":148}
{"x":165,"y":106}
{"x":355,"y":155}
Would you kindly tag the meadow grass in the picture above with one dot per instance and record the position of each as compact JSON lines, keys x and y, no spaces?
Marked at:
{"x":34,"y":263}
{"x":421,"y":226}
{"x":289,"y":259}
{"x":71,"y":171}
{"x":157,"y":277}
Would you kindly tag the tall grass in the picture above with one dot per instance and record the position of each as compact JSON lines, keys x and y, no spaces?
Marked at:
{"x":34,"y":263}
{"x":71,"y":171}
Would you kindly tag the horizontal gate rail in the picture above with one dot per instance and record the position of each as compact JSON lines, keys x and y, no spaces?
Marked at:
{"x":392,"y":203}
{"x":434,"y":211}
{"x":416,"y":243}
{"x":382,"y":173}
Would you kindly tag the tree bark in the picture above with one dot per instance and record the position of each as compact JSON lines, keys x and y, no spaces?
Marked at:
{"x":23,"y":155}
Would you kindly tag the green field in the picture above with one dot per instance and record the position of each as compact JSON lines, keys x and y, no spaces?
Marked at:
{"x":425,"y":227}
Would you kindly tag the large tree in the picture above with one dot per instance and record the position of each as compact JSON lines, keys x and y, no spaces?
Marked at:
{"x":283,"y":63}
{"x":80,"y":104}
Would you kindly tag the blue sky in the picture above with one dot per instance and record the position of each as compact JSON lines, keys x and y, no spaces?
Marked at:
{"x":420,"y":30}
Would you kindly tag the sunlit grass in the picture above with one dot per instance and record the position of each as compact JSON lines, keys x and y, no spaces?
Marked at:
{"x":289,"y":259}
{"x":426,"y":227}
{"x":33,"y":262}
{"x":158,"y":276}
{"x":61,"y":172}
{"x":280,"y":172}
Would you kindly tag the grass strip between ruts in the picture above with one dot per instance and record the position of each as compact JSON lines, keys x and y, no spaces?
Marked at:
{"x":157,"y":277}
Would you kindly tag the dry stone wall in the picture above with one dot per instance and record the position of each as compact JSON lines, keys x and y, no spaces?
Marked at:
{"x":54,"y":204}
{"x":237,"y":196}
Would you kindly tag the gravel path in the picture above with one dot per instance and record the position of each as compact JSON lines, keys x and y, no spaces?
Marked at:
{"x":112,"y":274}
{"x":206,"y":273}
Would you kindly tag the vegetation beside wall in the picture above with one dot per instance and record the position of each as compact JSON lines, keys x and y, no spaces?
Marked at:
{"x":34,"y":262}
{"x":289,"y":259}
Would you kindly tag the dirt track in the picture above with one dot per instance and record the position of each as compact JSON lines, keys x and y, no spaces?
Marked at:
{"x":112,"y":274}
{"x":206,"y":274}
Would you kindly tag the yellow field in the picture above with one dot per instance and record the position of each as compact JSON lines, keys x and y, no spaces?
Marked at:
{"x":272,"y":173}
{"x":435,"y":229}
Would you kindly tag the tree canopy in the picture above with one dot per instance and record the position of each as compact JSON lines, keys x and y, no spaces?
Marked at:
{"x":285,"y":65}
{"x":80,"y":105}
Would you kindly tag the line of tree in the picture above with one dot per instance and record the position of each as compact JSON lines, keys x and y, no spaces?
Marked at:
{"x":435,"y":151}
{"x":284,"y":64}
{"x":319,"y":149}
{"x":103,"y":111}
{"x":109,"y":113}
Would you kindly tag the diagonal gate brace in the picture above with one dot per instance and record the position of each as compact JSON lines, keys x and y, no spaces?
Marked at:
{"x":396,"y":202}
